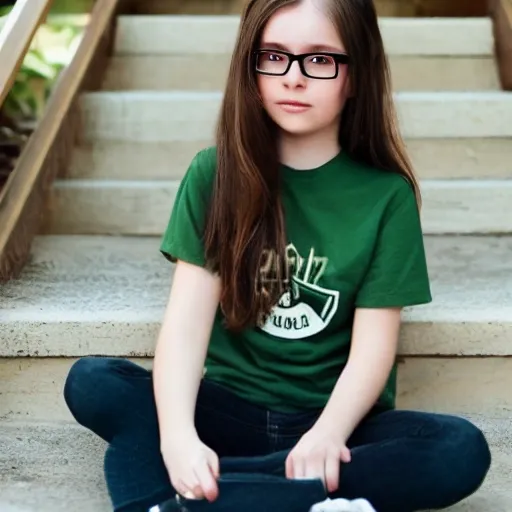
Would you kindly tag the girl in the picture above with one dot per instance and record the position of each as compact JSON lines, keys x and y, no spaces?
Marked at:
{"x":298,"y":242}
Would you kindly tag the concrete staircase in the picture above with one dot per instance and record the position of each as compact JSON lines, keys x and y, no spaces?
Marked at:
{"x":96,"y":283}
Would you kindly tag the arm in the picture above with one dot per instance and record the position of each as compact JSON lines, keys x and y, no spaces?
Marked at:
{"x":396,"y":277}
{"x":181,"y":346}
{"x":372,"y":354}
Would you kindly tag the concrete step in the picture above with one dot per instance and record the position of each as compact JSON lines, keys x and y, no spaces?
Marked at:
{"x":425,"y":54}
{"x":32,"y":386}
{"x":209,"y":72}
{"x":142,"y":207}
{"x":106,"y":296}
{"x":178,"y":116}
{"x":53,"y":465}
{"x":464,"y":158}
{"x":185,"y":35}
{"x":110,"y":293}
{"x":51,"y":468}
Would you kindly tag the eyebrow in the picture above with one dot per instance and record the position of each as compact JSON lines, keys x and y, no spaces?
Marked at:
{"x":310,"y":48}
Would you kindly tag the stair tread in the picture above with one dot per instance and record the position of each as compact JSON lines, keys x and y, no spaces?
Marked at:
{"x":77,"y":292}
{"x":210,"y":71}
{"x":217,"y":34}
{"x":54,"y":465}
{"x":141,"y":207}
{"x":127,"y":160}
{"x":163,"y":116}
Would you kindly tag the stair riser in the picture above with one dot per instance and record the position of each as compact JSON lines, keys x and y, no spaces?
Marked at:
{"x":136,"y":337}
{"x":383,"y":7}
{"x":192,"y":116}
{"x":32,"y":388}
{"x":143,"y":208}
{"x":162,"y":35}
{"x":209,"y":72}
{"x":454,"y":159}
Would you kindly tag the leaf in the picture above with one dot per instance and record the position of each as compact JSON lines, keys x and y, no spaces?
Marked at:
{"x":4,"y":11}
{"x":51,"y":50}
{"x":35,"y":65}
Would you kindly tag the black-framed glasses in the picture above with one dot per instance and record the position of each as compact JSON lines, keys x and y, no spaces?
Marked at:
{"x":320,"y":65}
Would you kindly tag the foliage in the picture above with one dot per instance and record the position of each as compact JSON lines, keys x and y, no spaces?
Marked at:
{"x":52,"y":48}
{"x":72,"y":6}
{"x":50,"y":51}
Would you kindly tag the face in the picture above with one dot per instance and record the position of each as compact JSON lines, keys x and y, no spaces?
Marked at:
{"x":300,"y":105}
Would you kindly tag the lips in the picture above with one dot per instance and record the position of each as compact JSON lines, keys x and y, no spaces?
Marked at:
{"x":293,"y":103}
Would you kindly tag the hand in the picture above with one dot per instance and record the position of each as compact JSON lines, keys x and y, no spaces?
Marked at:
{"x":193,"y":467}
{"x":318,"y":455}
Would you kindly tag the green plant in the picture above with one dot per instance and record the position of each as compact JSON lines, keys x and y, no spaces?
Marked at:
{"x":50,"y":51}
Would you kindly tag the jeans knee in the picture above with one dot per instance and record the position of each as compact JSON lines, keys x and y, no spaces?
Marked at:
{"x":477,"y":444}
{"x":471,"y":454}
{"x":85,"y":387}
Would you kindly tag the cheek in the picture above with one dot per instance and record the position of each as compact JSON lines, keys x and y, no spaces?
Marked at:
{"x":265,"y":87}
{"x":335,"y":91}
{"x":331,"y":97}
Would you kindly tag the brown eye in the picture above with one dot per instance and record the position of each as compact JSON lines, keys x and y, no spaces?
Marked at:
{"x":271,"y":62}
{"x":271,"y":57}
{"x":321,"y":60}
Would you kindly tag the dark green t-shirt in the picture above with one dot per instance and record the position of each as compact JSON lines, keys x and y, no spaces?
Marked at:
{"x":354,"y":240}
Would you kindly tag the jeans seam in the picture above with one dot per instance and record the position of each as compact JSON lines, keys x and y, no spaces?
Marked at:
{"x":272,"y":432}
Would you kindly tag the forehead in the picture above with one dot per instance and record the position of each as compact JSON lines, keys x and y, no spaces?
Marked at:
{"x":301,"y":26}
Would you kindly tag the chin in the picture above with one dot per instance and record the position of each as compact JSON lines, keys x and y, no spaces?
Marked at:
{"x":297,"y":126}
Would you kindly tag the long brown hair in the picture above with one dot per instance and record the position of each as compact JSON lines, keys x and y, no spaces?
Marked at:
{"x":245,"y":239}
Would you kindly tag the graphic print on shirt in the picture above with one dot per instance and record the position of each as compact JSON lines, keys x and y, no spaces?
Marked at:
{"x":306,"y":309}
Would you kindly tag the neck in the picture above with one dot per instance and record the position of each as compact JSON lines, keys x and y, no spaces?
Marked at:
{"x":308,"y":151}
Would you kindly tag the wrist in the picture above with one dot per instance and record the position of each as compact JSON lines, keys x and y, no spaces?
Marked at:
{"x":177,"y":434}
{"x":329,"y":427}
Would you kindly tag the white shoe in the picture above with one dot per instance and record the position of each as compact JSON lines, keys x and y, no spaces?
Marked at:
{"x":342,"y":505}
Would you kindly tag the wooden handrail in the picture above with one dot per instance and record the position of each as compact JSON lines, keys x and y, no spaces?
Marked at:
{"x":16,"y":36}
{"x":47,"y":153}
{"x":502,"y":16}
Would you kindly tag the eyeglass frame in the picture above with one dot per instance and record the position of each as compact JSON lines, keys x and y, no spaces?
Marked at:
{"x":339,"y":58}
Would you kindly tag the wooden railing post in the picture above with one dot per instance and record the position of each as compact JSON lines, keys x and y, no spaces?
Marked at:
{"x":16,"y":36}
{"x":47,"y":153}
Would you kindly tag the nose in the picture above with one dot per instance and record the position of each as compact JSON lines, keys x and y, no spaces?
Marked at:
{"x":294,"y":77}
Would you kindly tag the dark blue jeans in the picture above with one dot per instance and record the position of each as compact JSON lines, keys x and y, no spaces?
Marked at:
{"x":402,"y":461}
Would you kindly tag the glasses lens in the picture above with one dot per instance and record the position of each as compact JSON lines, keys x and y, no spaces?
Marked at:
{"x":271,"y":62}
{"x":320,"y":66}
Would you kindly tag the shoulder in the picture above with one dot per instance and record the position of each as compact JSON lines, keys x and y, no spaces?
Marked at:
{"x":204,"y":163}
{"x":200,"y":175}
{"x":387,"y":188}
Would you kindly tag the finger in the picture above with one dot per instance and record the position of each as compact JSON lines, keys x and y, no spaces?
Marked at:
{"x":289,"y":467}
{"x":332,"y":473}
{"x":315,"y":468}
{"x":299,"y":467}
{"x":345,"y":455}
{"x":213,"y":462}
{"x":189,"y":489}
{"x":207,"y":481}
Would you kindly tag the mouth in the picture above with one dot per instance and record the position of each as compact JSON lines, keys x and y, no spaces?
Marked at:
{"x":293,"y":107}
{"x":290,"y":103}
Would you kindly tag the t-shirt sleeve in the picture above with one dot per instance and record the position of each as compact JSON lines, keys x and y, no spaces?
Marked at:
{"x":183,"y":237}
{"x":397,"y":275}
